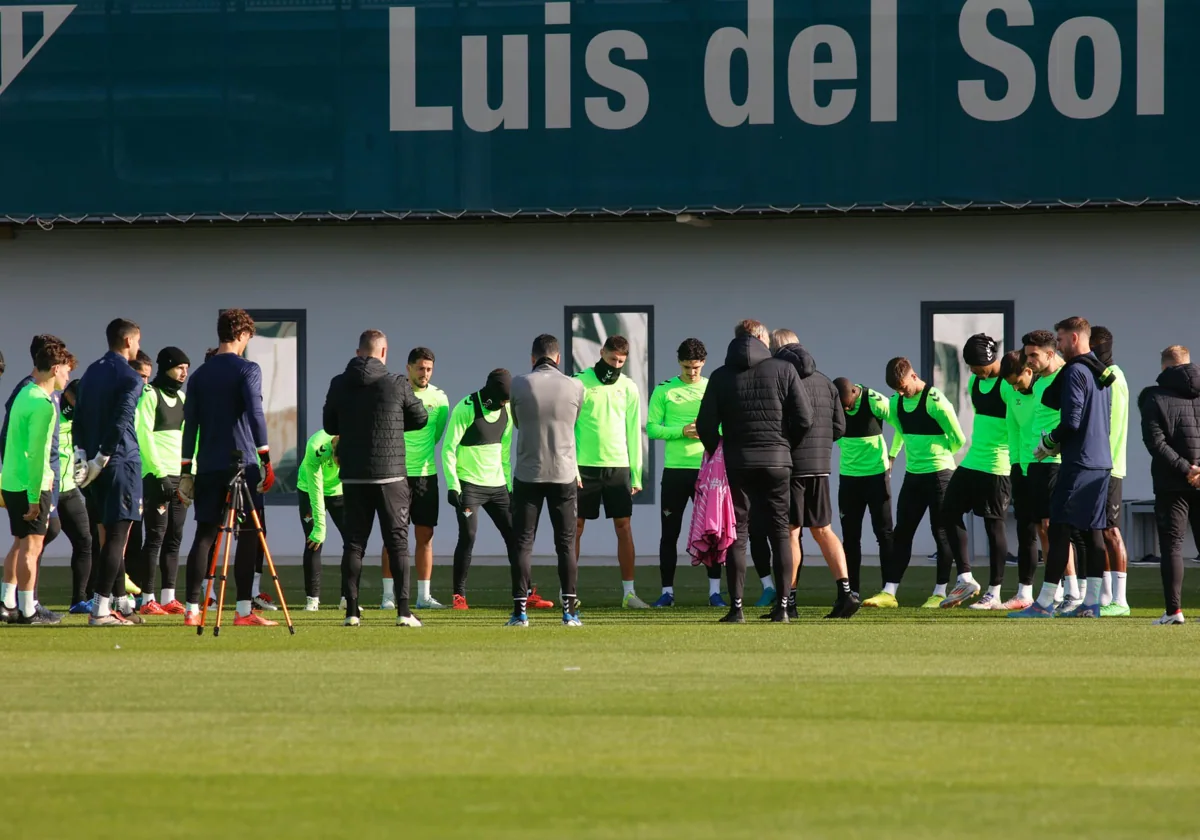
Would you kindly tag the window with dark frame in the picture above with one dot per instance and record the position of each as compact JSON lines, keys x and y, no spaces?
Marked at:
{"x":586,"y":328}
{"x":945,"y":328}
{"x":279,"y":347}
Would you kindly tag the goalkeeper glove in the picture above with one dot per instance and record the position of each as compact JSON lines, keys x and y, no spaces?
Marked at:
{"x":268,"y":471}
{"x":94,"y":468}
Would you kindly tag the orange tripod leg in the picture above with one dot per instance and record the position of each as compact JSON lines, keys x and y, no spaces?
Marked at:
{"x":212,"y":575}
{"x":224,"y":573}
{"x":262,"y":537}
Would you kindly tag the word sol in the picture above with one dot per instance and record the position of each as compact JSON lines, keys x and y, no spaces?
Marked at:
{"x":512,"y":112}
{"x":1021,"y":74}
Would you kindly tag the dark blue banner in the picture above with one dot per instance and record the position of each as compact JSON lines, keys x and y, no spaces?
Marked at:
{"x":155,"y":107}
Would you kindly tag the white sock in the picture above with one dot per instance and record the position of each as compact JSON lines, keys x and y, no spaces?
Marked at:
{"x":768,"y":582}
{"x":994,"y":591}
{"x":26,"y":603}
{"x":1071,"y":582}
{"x":940,"y":590}
{"x":966,"y":578}
{"x":125,"y":604}
{"x":1106,"y":594}
{"x":667,"y":590}
{"x":627,"y":587}
{"x":714,"y":586}
{"x":243,"y":608}
{"x":389,"y":588}
{"x":194,"y":609}
{"x":1047,"y":597}
{"x":1119,"y":581}
{"x":423,"y":590}
{"x":168,"y":595}
{"x":1025,"y":591}
{"x":1092,"y":595}
{"x":103,"y":606}
{"x":891,"y":589}
{"x":8,"y":591}
{"x":312,"y":600}
{"x":148,"y":598}
{"x":1059,"y":593}
{"x":255,"y":591}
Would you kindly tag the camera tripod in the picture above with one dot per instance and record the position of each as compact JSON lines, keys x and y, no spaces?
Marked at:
{"x":237,"y":501}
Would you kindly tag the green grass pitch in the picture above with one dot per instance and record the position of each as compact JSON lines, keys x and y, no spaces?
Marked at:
{"x":638,"y":725}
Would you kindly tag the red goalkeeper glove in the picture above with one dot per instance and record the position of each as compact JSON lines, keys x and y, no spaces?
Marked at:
{"x":268,"y":471}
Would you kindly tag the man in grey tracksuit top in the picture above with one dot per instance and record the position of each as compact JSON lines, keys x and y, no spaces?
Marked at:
{"x":545,"y":404}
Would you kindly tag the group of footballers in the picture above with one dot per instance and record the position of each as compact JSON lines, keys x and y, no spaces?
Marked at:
{"x":115,"y":458}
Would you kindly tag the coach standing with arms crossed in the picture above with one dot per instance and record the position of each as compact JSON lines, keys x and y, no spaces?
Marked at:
{"x":760,"y":405}
{"x":369,"y":409}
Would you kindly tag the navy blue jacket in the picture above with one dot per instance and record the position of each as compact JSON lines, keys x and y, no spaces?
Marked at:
{"x":1083,"y":431}
{"x":224,"y":413}
{"x":105,"y":409}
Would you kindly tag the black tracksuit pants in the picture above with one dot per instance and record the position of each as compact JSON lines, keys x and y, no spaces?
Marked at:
{"x":163,"y":533}
{"x":856,"y":496}
{"x":335,"y":512}
{"x":72,"y":511}
{"x":562,"y":501}
{"x":678,"y":488}
{"x":1174,"y":512}
{"x":921,"y":492}
{"x":493,"y":501}
{"x":766,"y":490}
{"x":391,"y":502}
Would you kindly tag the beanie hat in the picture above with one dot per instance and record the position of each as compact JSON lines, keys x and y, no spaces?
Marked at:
{"x":980,"y":350}
{"x":498,"y":388}
{"x":170,"y":357}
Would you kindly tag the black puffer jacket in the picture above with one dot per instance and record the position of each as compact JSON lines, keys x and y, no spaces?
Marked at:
{"x":371,"y":409}
{"x":759,"y":405}
{"x":814,"y":455}
{"x":1171,"y":426}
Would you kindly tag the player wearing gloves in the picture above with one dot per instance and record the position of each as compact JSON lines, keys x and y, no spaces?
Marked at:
{"x":222,"y":416}
{"x":674,"y":407}
{"x":1081,"y":493}
{"x":320,"y":489}
{"x":160,"y":439}
{"x":105,"y":428}
{"x":477,"y":463}
{"x":608,"y":437}
{"x":72,"y":508}
{"x":28,"y":482}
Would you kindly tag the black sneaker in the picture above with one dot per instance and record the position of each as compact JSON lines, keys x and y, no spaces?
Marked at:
{"x":49,"y":616}
{"x":791,"y":610}
{"x":845,"y":606}
{"x":734,"y":616}
{"x":45,"y":618}
{"x":8,"y":616}
{"x":779,"y":615}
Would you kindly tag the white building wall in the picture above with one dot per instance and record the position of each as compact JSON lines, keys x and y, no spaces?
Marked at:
{"x":478,"y":293}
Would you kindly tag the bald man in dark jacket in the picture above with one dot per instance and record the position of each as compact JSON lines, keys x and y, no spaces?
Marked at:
{"x":760,"y":405}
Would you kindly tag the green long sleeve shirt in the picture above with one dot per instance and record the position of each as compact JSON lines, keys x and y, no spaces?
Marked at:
{"x":865,"y":455}
{"x":30,"y":431}
{"x":1118,"y":434}
{"x":673,"y":405}
{"x":1019,"y":423}
{"x":66,"y":454}
{"x":159,"y":424}
{"x":420,"y":446}
{"x":989,"y":452}
{"x":608,"y":432}
{"x":926,"y":453}
{"x":482,"y":458}
{"x":1045,"y":418}
{"x":319,"y":477}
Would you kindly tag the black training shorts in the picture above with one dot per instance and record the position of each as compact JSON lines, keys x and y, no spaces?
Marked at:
{"x":17,"y":502}
{"x":426,"y":500}
{"x":974,"y":491}
{"x":810,"y":506}
{"x":1042,"y":479}
{"x":1113,"y":509}
{"x":611,"y":485}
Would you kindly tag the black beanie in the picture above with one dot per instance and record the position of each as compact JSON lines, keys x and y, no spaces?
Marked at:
{"x":497,"y":390}
{"x":170,"y":357}
{"x":980,"y":351}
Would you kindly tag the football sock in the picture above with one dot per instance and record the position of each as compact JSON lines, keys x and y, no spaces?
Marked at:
{"x":1025,"y":591}
{"x":1046,"y":598}
{"x":423,"y":587}
{"x":26,"y":603}
{"x":768,"y":582}
{"x":714,"y":586}
{"x":891,"y":589}
{"x":1106,"y":594}
{"x":1119,"y":581}
{"x":667,"y":590}
{"x":1092,"y":597}
{"x":8,"y":591}
{"x":627,"y":587}
{"x":940,"y":589}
